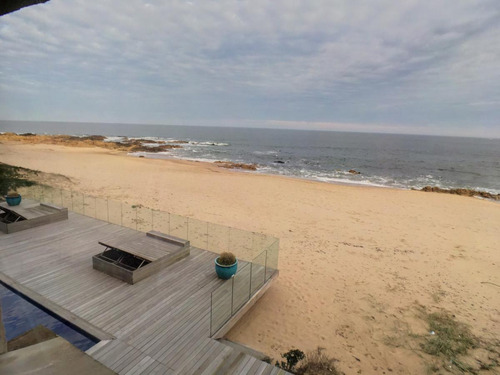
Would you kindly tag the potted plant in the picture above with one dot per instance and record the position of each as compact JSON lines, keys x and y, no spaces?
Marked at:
{"x":13,"y":199}
{"x":226,"y":265}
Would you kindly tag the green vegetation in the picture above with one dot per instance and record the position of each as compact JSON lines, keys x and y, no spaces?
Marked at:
{"x":292,"y":357}
{"x":313,"y":363}
{"x":226,"y":259}
{"x":12,"y":178}
{"x":449,"y":338}
{"x":451,"y":345}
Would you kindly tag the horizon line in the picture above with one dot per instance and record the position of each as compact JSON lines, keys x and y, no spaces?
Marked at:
{"x":362,"y":131}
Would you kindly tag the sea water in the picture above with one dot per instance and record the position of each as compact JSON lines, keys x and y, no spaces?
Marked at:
{"x":390,"y":160}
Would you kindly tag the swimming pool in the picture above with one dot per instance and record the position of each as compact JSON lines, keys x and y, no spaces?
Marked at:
{"x":20,"y":315}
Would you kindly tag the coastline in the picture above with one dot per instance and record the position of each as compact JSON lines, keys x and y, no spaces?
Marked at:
{"x":354,"y":261}
{"x":164,"y":149}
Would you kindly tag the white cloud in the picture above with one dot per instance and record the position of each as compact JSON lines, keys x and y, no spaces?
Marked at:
{"x":363,"y":62}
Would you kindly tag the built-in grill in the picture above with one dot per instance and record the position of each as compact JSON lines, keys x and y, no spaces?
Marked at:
{"x":9,"y":217}
{"x":29,"y":214}
{"x":123,"y":259}
{"x":134,"y":256}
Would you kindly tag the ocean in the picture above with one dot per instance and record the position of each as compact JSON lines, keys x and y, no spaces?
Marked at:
{"x":387,"y":160}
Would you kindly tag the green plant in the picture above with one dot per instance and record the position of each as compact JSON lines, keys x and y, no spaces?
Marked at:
{"x":11,"y":178}
{"x":318,"y":363}
{"x":449,"y":338}
{"x":226,"y":259}
{"x":292,"y":357}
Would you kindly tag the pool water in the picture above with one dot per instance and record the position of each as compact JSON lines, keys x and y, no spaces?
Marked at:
{"x":19,"y":316}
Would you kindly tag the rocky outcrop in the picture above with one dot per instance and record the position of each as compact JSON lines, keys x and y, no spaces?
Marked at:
{"x":464,"y":192}
{"x":129,"y":145}
{"x":352,"y":171}
{"x":231,"y":165}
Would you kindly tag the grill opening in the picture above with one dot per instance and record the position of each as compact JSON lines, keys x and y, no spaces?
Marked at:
{"x":123,"y":259}
{"x":10,"y":217}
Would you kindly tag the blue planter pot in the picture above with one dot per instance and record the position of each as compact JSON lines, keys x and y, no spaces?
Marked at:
{"x":13,"y":201}
{"x":225,"y":272}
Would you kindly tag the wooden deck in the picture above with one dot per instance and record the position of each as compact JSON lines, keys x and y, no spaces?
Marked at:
{"x":160,"y":325}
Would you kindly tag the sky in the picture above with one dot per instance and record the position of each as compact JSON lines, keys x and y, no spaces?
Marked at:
{"x":417,"y":67}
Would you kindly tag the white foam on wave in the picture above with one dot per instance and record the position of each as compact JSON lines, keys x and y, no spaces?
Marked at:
{"x":114,"y":139}
{"x":271,"y":152}
{"x":208,"y":143}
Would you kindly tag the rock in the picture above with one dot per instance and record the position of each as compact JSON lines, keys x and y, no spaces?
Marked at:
{"x":130,"y":145}
{"x":279,"y":162}
{"x":352,"y":171}
{"x":231,"y":165}
{"x":464,"y":192}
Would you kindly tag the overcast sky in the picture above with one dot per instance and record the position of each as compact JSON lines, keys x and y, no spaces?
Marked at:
{"x":425,"y":67}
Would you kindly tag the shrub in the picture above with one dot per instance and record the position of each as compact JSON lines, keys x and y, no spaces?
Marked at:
{"x":226,"y":259}
{"x":450,"y":338}
{"x":292,"y":357}
{"x":11,"y":178}
{"x":318,"y":363}
{"x":313,"y":363}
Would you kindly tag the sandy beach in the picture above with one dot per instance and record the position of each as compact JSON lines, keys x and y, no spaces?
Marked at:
{"x":356,"y":263}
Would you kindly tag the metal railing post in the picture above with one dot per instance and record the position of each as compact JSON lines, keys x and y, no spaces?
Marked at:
{"x":250,"y":287}
{"x":265,"y":268}
{"x":232,"y":294}
{"x":211,"y":308}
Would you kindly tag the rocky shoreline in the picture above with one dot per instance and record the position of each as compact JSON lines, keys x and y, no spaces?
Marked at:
{"x":464,"y":192}
{"x":125,"y":144}
{"x":129,"y":145}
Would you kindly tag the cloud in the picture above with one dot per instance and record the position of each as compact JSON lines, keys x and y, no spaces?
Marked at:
{"x":404,"y":64}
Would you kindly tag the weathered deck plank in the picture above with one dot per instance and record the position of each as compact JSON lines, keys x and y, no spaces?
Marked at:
{"x":160,"y":325}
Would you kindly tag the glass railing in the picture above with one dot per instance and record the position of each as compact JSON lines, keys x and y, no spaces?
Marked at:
{"x":257,"y":253}
{"x":245,"y":245}
{"x":232,"y":295}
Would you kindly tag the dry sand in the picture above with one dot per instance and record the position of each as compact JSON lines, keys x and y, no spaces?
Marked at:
{"x":354,"y":261}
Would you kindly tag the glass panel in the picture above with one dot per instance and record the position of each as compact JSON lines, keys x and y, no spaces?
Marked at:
{"x":66,"y":199}
{"x":258,"y":243}
{"x":161,"y":221}
{"x":129,"y":216}
{"x":89,"y":206}
{"x":258,"y":272}
{"x":77,"y":202}
{"x":101,"y":209}
{"x":144,"y":219}
{"x":43,"y":194}
{"x":178,"y":226}
{"x":197,"y":233}
{"x":240,"y":244}
{"x":241,"y":289}
{"x":52,"y":196}
{"x":46,"y":196}
{"x":221,"y":306}
{"x":218,"y":238}
{"x":115,"y":212}
{"x":272,"y":259}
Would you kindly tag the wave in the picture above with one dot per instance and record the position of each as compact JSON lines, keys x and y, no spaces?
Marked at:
{"x":270,"y":152}
{"x":208,"y":143}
